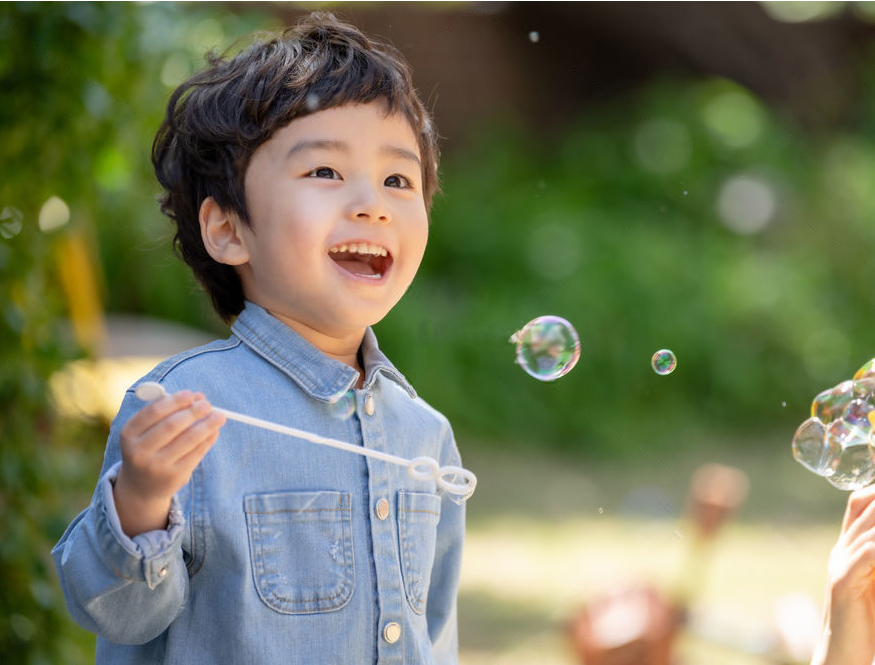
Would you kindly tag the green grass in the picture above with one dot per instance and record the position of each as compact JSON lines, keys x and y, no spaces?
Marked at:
{"x":547,"y":534}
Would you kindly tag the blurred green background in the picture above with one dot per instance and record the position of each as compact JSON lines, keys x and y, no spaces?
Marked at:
{"x":678,"y":205}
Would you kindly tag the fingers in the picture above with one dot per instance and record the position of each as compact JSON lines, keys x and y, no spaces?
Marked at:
{"x":209,"y":434}
{"x":163,"y":442}
{"x":155,"y":411}
{"x":195,"y":440}
{"x":860,"y":513}
{"x":863,"y":560}
{"x":170,"y":427}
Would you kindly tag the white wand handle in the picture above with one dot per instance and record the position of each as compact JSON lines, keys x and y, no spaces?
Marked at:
{"x":453,"y":479}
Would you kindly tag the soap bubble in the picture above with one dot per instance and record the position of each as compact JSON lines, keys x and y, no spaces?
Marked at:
{"x":836,"y":442}
{"x":854,"y":466}
{"x":831,"y":404}
{"x":534,"y":36}
{"x":867,"y":370}
{"x":547,"y":347}
{"x":312,"y":101}
{"x":857,"y":414}
{"x":811,"y":449}
{"x":663,"y":362}
{"x":864,"y":388}
{"x":343,"y":405}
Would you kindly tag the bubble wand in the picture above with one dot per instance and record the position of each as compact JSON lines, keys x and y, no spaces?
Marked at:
{"x":455,"y":480}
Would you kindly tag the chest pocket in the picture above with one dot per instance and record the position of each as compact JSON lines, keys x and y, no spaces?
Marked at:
{"x":418,"y":517}
{"x":301,"y":549}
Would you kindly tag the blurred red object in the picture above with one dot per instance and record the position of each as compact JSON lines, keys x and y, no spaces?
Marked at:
{"x":638,"y":625}
{"x":631,"y":626}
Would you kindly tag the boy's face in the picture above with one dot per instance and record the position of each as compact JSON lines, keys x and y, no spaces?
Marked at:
{"x":339,"y":223}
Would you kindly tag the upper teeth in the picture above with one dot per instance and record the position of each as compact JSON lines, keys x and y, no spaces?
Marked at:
{"x":360,"y":248}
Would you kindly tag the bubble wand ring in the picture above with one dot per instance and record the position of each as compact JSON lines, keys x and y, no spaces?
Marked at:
{"x":452,"y":479}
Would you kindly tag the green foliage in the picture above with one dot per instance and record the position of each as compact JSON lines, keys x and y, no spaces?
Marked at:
{"x":617,"y":226}
{"x":32,"y":345}
{"x":80,"y":83}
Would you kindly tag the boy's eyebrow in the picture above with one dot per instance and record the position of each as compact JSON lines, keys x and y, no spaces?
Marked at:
{"x":341,"y":146}
{"x":403,"y":153}
{"x":316,"y":144}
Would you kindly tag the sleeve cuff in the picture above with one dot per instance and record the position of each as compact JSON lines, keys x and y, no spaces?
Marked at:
{"x":147,"y":557}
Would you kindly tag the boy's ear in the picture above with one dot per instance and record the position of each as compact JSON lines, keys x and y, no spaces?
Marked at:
{"x":221,"y":234}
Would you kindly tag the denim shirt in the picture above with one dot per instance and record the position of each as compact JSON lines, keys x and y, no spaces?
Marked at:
{"x":279,"y":550}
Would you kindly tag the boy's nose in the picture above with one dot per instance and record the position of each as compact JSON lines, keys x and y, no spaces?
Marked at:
{"x":369,"y":205}
{"x":372,"y":215}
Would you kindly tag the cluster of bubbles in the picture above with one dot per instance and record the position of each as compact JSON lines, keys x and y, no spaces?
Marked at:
{"x":836,"y":441}
{"x":547,"y":347}
{"x":663,"y":362}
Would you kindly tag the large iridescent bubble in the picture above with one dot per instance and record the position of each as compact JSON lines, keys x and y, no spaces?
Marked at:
{"x":836,"y":442}
{"x":547,"y":348}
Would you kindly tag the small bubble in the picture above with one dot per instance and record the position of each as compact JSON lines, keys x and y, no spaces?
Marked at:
{"x":663,"y":362}
{"x":601,"y":510}
{"x":534,"y":36}
{"x":460,"y":499}
{"x":10,"y":222}
{"x":547,"y":347}
{"x":312,"y":102}
{"x":686,"y":193}
{"x":343,"y":405}
{"x":784,"y":404}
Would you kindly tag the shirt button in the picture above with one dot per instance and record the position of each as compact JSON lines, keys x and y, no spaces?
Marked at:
{"x":369,"y":404}
{"x":382,"y":509}
{"x":392,"y":632}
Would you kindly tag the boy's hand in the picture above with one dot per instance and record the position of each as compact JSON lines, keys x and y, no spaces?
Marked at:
{"x":161,"y":445}
{"x":849,"y":620}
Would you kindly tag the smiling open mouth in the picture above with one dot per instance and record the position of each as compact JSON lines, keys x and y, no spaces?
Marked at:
{"x":362,"y":259}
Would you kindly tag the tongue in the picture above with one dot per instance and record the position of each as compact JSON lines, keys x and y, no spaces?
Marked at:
{"x":354,"y":264}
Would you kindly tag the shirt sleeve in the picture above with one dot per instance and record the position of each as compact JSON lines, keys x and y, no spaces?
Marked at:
{"x":127,"y":590}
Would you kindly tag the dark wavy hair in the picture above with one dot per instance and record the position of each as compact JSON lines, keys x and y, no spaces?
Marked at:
{"x":218,"y":118}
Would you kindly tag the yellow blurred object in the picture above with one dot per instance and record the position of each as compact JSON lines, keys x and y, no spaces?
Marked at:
{"x":77,"y":269}
{"x":94,"y":389}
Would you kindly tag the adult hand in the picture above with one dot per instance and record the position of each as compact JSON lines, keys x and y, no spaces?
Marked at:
{"x":848,"y":636}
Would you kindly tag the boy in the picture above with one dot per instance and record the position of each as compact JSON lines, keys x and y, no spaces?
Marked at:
{"x":299,"y":175}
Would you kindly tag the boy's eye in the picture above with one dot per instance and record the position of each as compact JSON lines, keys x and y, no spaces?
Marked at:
{"x":324,"y":172}
{"x":398,"y":181}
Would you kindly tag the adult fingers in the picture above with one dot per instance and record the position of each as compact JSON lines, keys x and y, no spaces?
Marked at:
{"x":860,"y":512}
{"x":852,"y":574}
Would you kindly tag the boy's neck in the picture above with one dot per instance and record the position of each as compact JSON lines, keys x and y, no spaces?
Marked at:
{"x":345,"y":348}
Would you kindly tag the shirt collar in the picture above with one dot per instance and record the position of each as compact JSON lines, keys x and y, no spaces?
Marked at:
{"x":322,"y":377}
